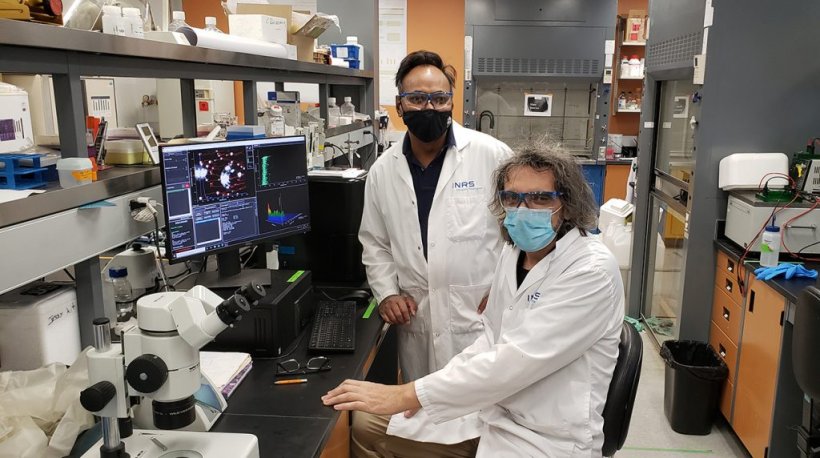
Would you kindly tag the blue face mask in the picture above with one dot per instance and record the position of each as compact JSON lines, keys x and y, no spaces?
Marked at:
{"x":530,"y":230}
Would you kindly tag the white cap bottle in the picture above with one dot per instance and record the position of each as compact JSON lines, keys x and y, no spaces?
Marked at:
{"x":359,"y":56}
{"x":178,"y":22}
{"x":210,"y":24}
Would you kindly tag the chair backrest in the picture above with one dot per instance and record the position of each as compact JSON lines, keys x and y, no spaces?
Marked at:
{"x":806,"y":341}
{"x":622,"y":389}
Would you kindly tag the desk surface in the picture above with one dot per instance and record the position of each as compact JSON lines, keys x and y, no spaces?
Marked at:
{"x":790,"y":289}
{"x":290,"y":420}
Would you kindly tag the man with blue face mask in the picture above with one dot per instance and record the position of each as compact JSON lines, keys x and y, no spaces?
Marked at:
{"x":540,"y":373}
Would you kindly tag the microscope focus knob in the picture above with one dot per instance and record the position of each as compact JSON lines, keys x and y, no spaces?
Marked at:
{"x":97,"y":396}
{"x":146,"y":373}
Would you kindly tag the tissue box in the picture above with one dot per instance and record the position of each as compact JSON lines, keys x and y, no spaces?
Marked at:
{"x":259,"y":27}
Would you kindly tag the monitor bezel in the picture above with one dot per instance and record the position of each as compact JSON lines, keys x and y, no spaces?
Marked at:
{"x":169,"y":253}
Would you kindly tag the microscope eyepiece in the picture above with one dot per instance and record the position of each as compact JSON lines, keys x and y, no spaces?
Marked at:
{"x":253,"y":292}
{"x":232,"y":308}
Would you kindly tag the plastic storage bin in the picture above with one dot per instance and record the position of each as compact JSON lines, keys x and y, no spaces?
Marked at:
{"x":39,"y":325}
{"x":74,"y":171}
{"x":692,"y":383}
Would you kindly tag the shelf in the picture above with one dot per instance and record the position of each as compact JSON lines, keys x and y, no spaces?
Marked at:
{"x":633,"y":43}
{"x":113,"y":182}
{"x":39,"y":48}
{"x":631,"y":78}
{"x":629,"y":111}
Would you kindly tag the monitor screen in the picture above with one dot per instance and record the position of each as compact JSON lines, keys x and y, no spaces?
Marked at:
{"x":223,"y":195}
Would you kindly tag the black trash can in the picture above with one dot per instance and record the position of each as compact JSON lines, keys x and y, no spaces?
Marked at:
{"x":694,"y":377}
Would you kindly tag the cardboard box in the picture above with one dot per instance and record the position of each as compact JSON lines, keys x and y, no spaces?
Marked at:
{"x":635,"y":30}
{"x":259,"y":27}
{"x":303,"y":28}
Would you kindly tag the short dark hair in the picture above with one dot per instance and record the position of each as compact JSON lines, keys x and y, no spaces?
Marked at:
{"x":422,"y":57}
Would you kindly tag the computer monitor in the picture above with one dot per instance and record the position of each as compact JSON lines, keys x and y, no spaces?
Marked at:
{"x":221,"y":196}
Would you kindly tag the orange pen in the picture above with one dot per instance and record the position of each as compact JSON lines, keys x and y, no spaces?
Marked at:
{"x":291,"y":381}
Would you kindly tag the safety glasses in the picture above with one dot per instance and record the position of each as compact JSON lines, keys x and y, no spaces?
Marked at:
{"x":419,"y":99}
{"x":293,"y":367}
{"x":535,"y":199}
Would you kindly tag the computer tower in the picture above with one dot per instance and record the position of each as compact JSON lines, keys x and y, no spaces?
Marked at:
{"x":272,"y":326}
{"x":331,"y":250}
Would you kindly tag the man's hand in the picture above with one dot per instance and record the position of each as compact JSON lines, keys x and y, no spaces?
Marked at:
{"x":483,"y":304}
{"x":372,"y":397}
{"x":398,"y":309}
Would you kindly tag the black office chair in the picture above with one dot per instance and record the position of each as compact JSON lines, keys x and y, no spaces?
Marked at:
{"x":805,"y":342}
{"x":622,"y":389}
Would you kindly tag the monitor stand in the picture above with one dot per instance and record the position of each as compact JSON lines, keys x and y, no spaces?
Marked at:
{"x":230,"y":274}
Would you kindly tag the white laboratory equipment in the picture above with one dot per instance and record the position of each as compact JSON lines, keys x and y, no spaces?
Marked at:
{"x":159,"y":361}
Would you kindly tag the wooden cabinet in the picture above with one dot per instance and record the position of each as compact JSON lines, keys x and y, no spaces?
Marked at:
{"x":727,"y":316}
{"x":757,"y":367}
{"x":615,"y":181}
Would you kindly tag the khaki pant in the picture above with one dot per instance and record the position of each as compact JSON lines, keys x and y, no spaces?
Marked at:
{"x":369,"y":439}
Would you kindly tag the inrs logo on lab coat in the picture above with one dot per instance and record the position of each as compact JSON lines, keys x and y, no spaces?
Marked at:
{"x":464,"y":184}
{"x":531,"y":298}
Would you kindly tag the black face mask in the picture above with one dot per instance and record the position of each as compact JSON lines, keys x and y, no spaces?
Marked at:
{"x":427,"y":125}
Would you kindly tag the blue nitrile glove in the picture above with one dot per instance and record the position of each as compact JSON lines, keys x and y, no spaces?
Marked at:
{"x":788,"y":271}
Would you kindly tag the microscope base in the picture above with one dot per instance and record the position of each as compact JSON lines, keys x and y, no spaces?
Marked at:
{"x":185,"y":444}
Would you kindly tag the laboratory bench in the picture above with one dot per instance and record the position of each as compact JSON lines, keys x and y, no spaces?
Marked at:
{"x":751,"y":329}
{"x":290,"y":420}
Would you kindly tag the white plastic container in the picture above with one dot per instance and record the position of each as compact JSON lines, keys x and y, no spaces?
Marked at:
{"x":210,"y":24}
{"x":74,"y":171}
{"x":748,"y":171}
{"x":112,"y":20}
{"x":333,"y":112}
{"x":770,"y":247}
{"x":614,"y":211}
{"x":347,"y":108}
{"x":36,"y":330}
{"x":133,"y":22}
{"x":354,"y":41}
{"x":277,"y":122}
{"x":178,"y":21}
{"x":635,"y":67}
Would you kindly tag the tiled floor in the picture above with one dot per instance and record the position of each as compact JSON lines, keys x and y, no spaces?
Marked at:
{"x":649,"y":431}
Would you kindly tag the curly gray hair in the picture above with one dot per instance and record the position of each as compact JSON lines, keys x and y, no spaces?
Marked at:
{"x":578,"y":209}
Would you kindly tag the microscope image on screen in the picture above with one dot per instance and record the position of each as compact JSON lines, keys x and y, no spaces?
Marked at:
{"x":221,"y":174}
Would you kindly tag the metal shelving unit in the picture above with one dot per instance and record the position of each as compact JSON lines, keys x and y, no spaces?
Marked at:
{"x":68,"y":55}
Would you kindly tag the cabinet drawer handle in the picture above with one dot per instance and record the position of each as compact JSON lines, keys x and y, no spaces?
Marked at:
{"x":725,"y":314}
{"x":722,"y":351}
{"x":729,"y":286}
{"x":730,"y":266}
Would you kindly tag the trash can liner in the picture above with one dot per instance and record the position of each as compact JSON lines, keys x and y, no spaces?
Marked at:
{"x":695,"y":358}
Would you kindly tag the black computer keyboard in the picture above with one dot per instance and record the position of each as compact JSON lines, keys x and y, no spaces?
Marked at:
{"x":334,"y":327}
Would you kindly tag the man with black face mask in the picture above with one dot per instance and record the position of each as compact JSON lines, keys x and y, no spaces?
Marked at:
{"x":430,"y":247}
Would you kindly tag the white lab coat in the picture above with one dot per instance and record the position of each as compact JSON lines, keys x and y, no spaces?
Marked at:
{"x":463,"y":246}
{"x":541,"y":371}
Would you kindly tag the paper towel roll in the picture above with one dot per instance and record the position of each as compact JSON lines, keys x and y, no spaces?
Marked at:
{"x":224,"y":42}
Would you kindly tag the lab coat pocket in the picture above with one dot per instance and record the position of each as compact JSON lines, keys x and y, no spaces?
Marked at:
{"x":466,"y":217}
{"x":464,"y":317}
